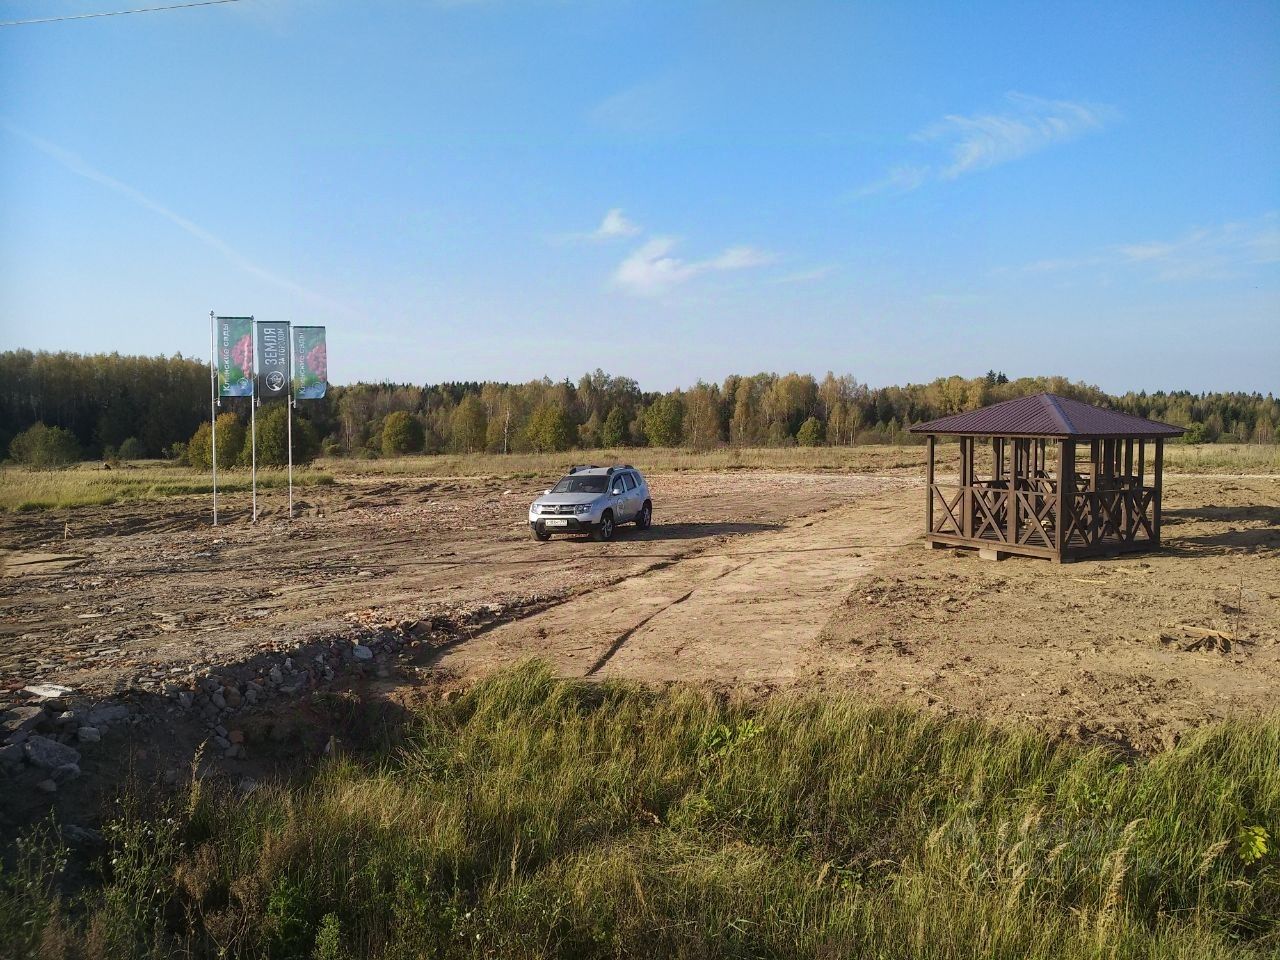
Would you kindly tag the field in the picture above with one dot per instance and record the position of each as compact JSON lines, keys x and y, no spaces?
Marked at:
{"x":771,"y":725}
{"x":90,"y":484}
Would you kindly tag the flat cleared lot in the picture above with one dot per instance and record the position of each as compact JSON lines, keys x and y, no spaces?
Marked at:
{"x":749,"y":580}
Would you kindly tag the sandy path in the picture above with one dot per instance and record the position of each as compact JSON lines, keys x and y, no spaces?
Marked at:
{"x":747,"y":613}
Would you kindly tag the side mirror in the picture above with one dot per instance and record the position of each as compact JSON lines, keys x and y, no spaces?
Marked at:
{"x":546,"y":493}
{"x":617,"y":491}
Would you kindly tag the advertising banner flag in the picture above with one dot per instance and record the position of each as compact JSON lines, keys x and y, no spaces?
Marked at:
{"x":310,"y":363}
{"x":273,"y":359}
{"x":235,"y":356}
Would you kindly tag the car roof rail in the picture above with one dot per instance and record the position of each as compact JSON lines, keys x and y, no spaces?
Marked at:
{"x":583,"y":466}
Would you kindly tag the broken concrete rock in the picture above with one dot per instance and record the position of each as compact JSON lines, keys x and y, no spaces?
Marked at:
{"x":48,"y":691}
{"x":20,"y":719}
{"x":49,"y":754}
{"x":12,"y":754}
{"x":110,"y":713}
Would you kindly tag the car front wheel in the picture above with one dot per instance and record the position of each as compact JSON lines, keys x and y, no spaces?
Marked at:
{"x":604,"y":529}
{"x":541,"y":534}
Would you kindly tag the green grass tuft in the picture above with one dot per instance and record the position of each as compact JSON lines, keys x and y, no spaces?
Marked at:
{"x":536,"y":817}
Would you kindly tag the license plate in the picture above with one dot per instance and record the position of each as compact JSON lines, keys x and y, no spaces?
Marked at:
{"x":556,"y":523}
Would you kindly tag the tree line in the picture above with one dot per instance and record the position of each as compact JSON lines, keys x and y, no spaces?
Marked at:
{"x":107,"y":405}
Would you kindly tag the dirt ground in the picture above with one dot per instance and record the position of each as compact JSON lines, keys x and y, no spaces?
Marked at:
{"x":751,"y":581}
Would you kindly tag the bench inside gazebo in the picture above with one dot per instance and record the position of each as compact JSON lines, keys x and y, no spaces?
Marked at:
{"x":1047,"y":476}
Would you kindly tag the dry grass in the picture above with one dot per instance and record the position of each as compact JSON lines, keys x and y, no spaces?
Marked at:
{"x":862,"y":459}
{"x":1202,"y":458}
{"x":544,"y":818}
{"x":90,"y":485}
{"x":1223,"y":458}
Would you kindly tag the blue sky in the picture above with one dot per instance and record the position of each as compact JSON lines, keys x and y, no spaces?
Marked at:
{"x":502,"y":190}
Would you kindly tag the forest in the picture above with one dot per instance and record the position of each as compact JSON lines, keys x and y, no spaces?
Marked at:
{"x":108,"y":405}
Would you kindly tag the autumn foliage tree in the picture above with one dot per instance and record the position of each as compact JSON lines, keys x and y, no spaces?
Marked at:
{"x":468,"y":425}
{"x":273,"y":438}
{"x":230,"y":443}
{"x":44,"y":447}
{"x":550,"y":429}
{"x":664,"y":421}
{"x":810,"y":433}
{"x":614,"y":432}
{"x":401,"y":433}
{"x":105,"y":400}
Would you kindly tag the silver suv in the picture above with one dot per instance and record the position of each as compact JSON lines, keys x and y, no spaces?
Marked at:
{"x":593,"y":500}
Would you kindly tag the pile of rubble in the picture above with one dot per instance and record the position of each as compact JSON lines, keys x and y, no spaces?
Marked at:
{"x":45,"y":726}
{"x":48,"y":730}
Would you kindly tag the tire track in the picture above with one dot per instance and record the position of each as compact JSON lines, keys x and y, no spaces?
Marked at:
{"x":632,"y":631}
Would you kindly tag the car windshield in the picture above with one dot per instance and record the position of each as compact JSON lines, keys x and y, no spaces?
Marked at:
{"x":586,"y":483}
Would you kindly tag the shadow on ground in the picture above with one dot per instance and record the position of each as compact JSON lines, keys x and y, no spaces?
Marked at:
{"x":693,"y":531}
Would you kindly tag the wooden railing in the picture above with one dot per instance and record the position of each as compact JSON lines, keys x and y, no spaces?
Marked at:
{"x":1092,"y":519}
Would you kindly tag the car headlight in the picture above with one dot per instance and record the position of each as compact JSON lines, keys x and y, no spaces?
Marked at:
{"x":582,"y":508}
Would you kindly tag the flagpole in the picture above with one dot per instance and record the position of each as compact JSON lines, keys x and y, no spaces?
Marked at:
{"x":253,"y":420}
{"x":213,"y":410}
{"x":290,"y":441}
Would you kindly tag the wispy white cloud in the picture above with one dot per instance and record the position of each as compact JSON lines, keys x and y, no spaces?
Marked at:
{"x":985,"y":140}
{"x":897,"y":180}
{"x":652,"y":108}
{"x":1223,"y":252}
{"x":615,"y":225}
{"x":811,"y":275}
{"x":79,"y":166}
{"x":652,"y":270}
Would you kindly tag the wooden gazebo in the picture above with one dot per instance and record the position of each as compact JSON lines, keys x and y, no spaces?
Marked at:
{"x":1060,"y":479}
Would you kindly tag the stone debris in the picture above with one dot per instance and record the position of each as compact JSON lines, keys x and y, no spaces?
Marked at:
{"x":48,"y":754}
{"x":20,"y":720}
{"x":12,"y":754}
{"x":83,"y":836}
{"x":48,"y":691}
{"x":44,"y":725}
{"x":110,"y":713}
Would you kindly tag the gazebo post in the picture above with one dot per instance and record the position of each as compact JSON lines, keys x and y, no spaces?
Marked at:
{"x":1066,"y":495}
{"x":928,"y":490}
{"x":1131,"y":492}
{"x":1011,"y":495}
{"x":1157,"y":481}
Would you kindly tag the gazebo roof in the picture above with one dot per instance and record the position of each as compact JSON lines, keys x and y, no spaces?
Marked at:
{"x":1047,"y":415}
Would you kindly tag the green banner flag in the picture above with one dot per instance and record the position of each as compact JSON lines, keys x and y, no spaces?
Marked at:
{"x":235,"y":356}
{"x":310,"y":363}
